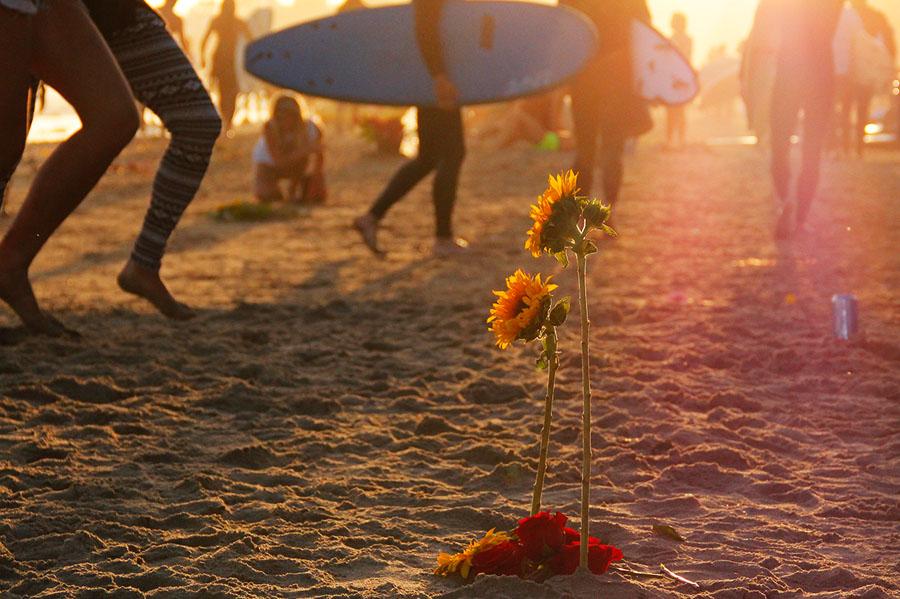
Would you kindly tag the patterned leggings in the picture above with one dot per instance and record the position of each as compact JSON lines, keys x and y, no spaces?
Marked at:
{"x":163,"y":79}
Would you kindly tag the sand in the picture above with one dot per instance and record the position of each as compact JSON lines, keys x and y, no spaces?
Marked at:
{"x":332,"y":421}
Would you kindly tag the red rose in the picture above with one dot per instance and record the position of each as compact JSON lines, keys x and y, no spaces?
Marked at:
{"x":572,"y":535}
{"x":542,"y":535}
{"x":600,"y":556}
{"x":504,"y":559}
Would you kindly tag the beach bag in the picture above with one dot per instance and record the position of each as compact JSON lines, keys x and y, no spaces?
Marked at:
{"x":314,"y":189}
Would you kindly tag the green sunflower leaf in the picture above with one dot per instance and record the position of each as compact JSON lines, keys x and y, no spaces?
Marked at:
{"x":560,"y":312}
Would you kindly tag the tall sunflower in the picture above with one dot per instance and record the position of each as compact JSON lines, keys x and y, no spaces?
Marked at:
{"x":520,"y":311}
{"x":561,"y":187}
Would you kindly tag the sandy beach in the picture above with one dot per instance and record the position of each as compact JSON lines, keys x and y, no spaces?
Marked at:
{"x":331,"y":421}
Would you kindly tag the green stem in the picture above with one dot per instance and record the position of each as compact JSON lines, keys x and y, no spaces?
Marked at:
{"x":586,"y":410}
{"x":552,"y":364}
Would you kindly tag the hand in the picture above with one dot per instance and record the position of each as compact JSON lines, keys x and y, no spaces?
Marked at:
{"x":446,"y":92}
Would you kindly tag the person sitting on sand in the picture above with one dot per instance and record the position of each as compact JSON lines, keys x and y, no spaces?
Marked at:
{"x":56,"y":42}
{"x":289,"y":148}
{"x":534,"y":120}
{"x":441,"y":144}
{"x":228,"y":28}
{"x":604,"y":100}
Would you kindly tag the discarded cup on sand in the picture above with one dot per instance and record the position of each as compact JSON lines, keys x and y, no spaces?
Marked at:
{"x":845,"y":310}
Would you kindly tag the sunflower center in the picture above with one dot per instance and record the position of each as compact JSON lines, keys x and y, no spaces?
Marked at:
{"x":520,"y":306}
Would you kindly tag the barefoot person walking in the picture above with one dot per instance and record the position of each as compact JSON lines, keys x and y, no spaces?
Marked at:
{"x":162,"y":79}
{"x":441,"y":145}
{"x":59,"y":44}
{"x":804,"y":82}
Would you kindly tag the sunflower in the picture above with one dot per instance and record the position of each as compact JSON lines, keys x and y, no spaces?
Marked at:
{"x":561,"y":186}
{"x":461,"y":562}
{"x":519,"y":312}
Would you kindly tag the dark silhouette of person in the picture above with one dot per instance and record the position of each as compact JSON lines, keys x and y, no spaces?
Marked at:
{"x":857,"y":96}
{"x":804,"y":83}
{"x":604,"y":101}
{"x":441,"y":144}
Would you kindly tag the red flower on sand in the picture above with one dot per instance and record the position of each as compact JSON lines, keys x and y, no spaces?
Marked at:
{"x":545,"y":547}
{"x":542,"y":535}
{"x":504,"y":559}
{"x":600,"y":556}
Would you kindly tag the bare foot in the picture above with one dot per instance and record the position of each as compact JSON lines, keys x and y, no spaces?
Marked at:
{"x":64,"y":330}
{"x":15,"y":290}
{"x":367,"y":227}
{"x":784,"y":225}
{"x":145,"y":283}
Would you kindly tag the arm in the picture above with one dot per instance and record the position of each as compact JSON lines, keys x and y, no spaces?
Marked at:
{"x":274,"y":144}
{"x":244,"y":29}
{"x":428,"y":34}
{"x":209,"y":32}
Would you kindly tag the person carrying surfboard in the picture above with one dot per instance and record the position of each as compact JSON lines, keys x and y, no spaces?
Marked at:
{"x":866,"y":74}
{"x":441,"y":144}
{"x":604,"y":101}
{"x":804,"y":83}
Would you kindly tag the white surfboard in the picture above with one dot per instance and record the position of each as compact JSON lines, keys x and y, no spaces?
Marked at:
{"x":662,"y":74}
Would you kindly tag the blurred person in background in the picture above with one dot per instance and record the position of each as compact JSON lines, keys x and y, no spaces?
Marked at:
{"x":862,"y":83}
{"x":604,"y":101}
{"x":676,"y":116}
{"x":227,"y":28}
{"x":290,"y":148}
{"x":175,"y":24}
{"x":804,"y":84}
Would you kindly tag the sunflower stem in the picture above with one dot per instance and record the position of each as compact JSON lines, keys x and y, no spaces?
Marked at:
{"x":586,"y":409}
{"x":552,"y":365}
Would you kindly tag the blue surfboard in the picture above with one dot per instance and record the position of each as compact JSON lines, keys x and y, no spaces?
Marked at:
{"x":493,"y":51}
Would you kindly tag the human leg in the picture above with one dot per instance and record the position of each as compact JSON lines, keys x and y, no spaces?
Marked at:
{"x":818,"y":109}
{"x":16,"y":32}
{"x":406,"y":178}
{"x":863,"y":107}
{"x":228,"y":95}
{"x":586,"y":127}
{"x":164,"y":80}
{"x":430,"y":152}
{"x":785,"y":108}
{"x":92,"y":83}
{"x":446,"y":179}
{"x":612,"y":154}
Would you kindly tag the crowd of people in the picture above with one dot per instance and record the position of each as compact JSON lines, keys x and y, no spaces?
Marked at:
{"x":128,"y":52}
